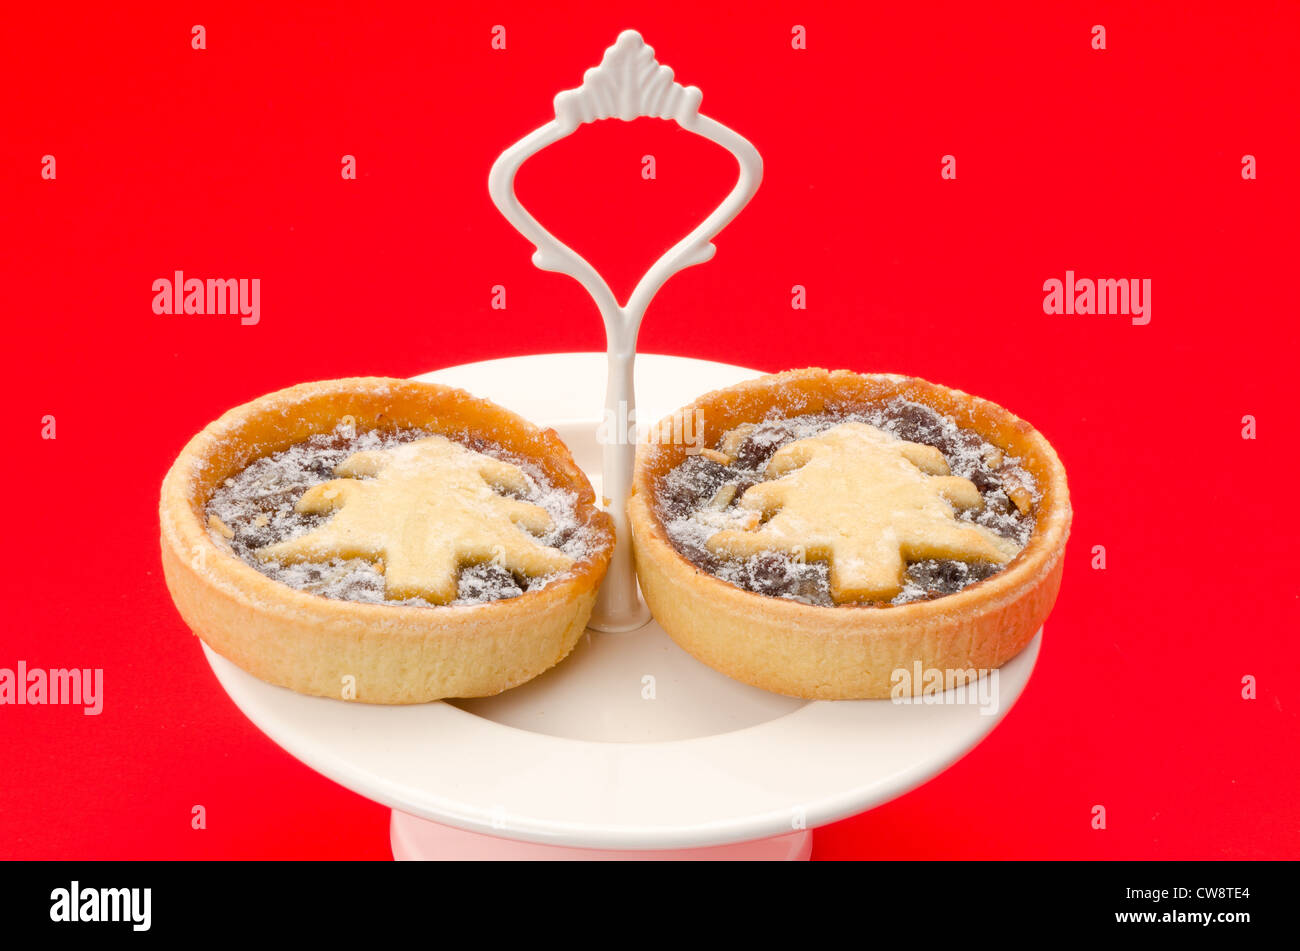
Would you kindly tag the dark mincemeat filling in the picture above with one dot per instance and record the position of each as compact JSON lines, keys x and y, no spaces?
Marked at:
{"x":691,"y":486}
{"x":257,"y":507}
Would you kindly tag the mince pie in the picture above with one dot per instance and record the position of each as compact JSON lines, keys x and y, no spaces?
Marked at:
{"x":383,"y":540}
{"x":821,"y":530}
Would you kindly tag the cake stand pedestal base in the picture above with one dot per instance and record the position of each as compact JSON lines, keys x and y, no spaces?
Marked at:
{"x":416,"y":839}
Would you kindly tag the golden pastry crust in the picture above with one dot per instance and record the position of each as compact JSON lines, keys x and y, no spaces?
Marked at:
{"x":847,"y":652}
{"x":393,"y":653}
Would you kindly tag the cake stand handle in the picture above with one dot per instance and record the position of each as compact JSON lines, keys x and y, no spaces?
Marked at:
{"x":628,"y":84}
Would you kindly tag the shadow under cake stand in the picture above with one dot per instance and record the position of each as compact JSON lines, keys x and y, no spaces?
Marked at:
{"x":630,"y":748}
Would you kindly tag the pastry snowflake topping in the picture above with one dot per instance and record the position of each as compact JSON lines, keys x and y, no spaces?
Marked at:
{"x":430,"y":509}
{"x":867,"y":503}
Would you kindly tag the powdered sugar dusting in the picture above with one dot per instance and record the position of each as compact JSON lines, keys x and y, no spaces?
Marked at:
{"x":689,"y":498}
{"x":255,"y":508}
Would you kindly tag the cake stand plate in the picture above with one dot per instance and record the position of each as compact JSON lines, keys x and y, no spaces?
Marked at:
{"x":630,"y":748}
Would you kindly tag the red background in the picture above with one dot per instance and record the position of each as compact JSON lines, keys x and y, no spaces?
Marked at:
{"x":225,"y":162}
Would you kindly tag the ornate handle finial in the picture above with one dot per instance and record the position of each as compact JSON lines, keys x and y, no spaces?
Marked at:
{"x":628,"y":84}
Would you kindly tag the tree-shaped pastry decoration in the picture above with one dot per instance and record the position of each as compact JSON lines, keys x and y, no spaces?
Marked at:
{"x":867,"y":503}
{"x":428,"y":508}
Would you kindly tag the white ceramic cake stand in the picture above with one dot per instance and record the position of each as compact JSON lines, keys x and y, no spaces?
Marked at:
{"x":629,"y":748}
